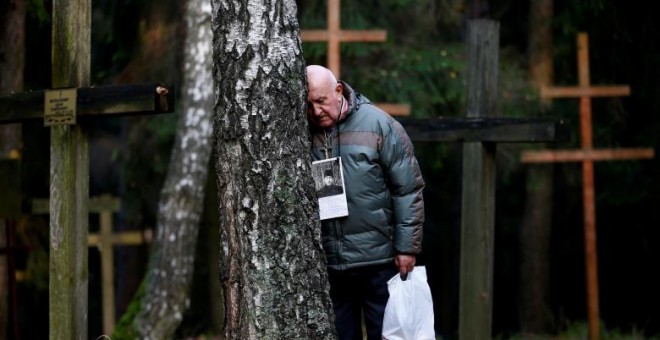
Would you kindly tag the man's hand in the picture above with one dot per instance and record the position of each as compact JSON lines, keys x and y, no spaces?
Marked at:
{"x":405,"y":263}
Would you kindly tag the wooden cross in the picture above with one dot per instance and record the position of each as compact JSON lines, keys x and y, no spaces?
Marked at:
{"x":480,"y":132}
{"x":69,"y":157}
{"x":587,"y":155}
{"x":334,"y":35}
{"x":68,"y":167}
{"x":104,"y":241}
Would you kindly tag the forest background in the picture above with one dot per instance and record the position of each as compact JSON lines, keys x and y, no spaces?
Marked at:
{"x":421,"y":64}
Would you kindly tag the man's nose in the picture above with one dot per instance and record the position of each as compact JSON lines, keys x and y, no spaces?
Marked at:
{"x":316,"y":110}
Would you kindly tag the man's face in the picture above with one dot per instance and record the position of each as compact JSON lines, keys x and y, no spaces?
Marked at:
{"x":323,"y":104}
{"x":328,"y":180}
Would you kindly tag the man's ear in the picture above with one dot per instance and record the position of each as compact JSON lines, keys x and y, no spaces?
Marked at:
{"x":339,"y":88}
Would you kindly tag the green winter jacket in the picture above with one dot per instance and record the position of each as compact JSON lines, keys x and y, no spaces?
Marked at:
{"x":383,"y":187}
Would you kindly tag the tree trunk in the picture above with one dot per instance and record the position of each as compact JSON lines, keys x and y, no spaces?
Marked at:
{"x":274,"y":276}
{"x":170,"y":271}
{"x":12,"y":46}
{"x":535,"y":312}
{"x":12,"y":49}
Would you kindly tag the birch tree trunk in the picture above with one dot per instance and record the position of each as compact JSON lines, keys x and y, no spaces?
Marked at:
{"x":535,"y":313}
{"x":171,"y":263}
{"x":274,"y":274}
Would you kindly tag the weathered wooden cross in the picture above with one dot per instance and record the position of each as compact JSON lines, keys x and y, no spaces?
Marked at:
{"x":480,"y":132}
{"x":105,"y":206}
{"x":91,"y":102}
{"x":69,"y":154}
{"x":587,"y":154}
{"x":334,"y":35}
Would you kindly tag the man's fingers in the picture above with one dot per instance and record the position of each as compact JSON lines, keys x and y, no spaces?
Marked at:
{"x":405,"y":264}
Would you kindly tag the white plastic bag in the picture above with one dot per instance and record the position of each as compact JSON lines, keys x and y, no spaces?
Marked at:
{"x":409,"y":310}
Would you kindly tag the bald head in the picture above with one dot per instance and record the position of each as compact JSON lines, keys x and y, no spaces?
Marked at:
{"x":324,"y":97}
{"x":320,"y":77}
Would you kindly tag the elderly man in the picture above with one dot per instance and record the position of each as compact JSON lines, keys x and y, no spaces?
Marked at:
{"x":383,"y":232}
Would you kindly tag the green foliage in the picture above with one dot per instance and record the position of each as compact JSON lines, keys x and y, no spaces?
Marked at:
{"x":431,"y":80}
{"x":38,"y":9}
{"x":124,"y":329}
{"x":568,"y":21}
{"x":434,"y":25}
{"x":434,"y":155}
{"x":518,"y":97}
{"x":421,"y":64}
{"x":115,"y":36}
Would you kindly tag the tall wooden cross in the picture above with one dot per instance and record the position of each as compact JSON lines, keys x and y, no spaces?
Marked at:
{"x":105,"y":206}
{"x":334,"y":36}
{"x":480,"y":132}
{"x":69,"y":155}
{"x":587,"y":154}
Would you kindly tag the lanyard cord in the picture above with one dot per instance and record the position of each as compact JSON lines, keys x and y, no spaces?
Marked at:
{"x":328,"y":137}
{"x":341,"y":107}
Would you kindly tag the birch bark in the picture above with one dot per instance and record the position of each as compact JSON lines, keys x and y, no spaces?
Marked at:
{"x":274,"y":276}
{"x":171,"y":263}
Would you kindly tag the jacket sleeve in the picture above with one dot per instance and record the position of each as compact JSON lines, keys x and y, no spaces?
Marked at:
{"x":406,"y":185}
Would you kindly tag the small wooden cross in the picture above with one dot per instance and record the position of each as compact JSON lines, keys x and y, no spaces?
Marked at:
{"x":334,"y":35}
{"x":587,"y":155}
{"x":105,"y":240}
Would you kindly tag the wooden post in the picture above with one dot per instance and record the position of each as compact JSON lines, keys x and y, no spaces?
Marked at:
{"x":483,"y":129}
{"x":69,"y":177}
{"x":587,"y":155}
{"x":334,"y":35}
{"x":478,"y":198}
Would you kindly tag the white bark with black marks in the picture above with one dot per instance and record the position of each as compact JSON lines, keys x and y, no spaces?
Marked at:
{"x":170,"y":271}
{"x":274,"y":274}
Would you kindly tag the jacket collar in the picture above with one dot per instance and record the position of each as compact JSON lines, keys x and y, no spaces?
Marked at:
{"x":351,"y":98}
